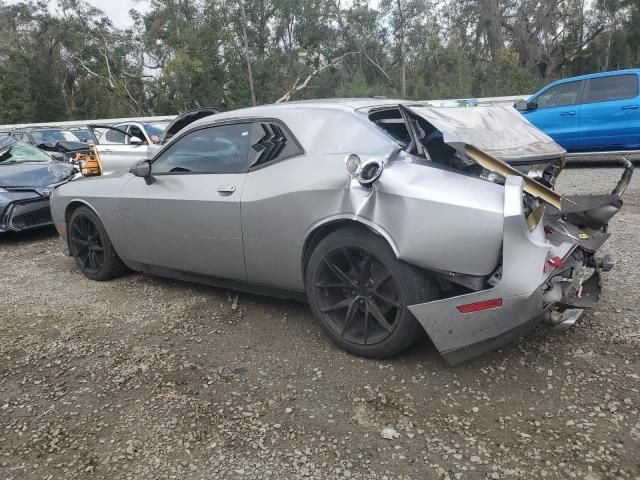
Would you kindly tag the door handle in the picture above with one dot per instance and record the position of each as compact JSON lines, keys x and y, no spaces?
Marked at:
{"x":108,"y":150}
{"x":630,"y":107}
{"x":570,"y":113}
{"x":226,"y":189}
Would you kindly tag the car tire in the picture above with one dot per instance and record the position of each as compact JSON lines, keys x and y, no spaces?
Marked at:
{"x":360,"y":291}
{"x":91,"y":248}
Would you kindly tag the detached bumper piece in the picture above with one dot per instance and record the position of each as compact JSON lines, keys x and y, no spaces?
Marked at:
{"x":549,"y":273}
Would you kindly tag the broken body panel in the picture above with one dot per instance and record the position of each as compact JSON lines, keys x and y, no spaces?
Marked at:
{"x":543,"y":269}
{"x":504,"y":246}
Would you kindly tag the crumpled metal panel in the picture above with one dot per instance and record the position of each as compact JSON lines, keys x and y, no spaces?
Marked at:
{"x":500,"y":131}
{"x":524,"y":256}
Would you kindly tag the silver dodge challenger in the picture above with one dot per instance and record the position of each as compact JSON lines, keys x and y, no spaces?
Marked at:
{"x":390,"y":218}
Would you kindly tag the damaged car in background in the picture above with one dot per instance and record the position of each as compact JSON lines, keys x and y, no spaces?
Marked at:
{"x":28,"y":176}
{"x":391,"y":219}
{"x":63,"y":144}
{"x":122,"y":145}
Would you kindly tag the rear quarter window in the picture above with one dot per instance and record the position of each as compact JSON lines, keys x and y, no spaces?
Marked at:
{"x":618,"y":87}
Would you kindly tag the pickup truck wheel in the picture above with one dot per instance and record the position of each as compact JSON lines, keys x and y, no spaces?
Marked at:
{"x":360,"y":292}
{"x":91,"y":248}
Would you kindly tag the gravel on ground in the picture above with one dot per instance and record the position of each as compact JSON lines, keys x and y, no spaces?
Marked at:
{"x":148,"y":378}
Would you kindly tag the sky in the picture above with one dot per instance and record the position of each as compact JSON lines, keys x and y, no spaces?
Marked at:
{"x":116,"y":10}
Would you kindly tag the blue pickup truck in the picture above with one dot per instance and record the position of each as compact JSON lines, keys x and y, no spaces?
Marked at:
{"x":594,"y":112}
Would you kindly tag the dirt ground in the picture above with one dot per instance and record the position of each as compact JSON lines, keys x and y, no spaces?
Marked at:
{"x":146,"y":378}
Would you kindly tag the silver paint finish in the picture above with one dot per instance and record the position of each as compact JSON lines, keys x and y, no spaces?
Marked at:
{"x":184,"y":222}
{"x":432,"y":217}
{"x":120,"y":157}
{"x":524,"y":256}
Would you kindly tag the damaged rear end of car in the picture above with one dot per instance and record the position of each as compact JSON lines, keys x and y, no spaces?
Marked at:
{"x":548,"y":268}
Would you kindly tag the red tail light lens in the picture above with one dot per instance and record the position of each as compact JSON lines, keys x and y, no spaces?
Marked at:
{"x":479,"y":306}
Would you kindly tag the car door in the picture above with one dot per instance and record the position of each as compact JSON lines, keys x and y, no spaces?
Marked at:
{"x":136,"y":130}
{"x":188,"y":217}
{"x":558,"y":113}
{"x":610,"y":114}
{"x":116,"y":151}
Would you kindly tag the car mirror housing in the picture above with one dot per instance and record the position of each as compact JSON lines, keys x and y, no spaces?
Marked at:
{"x":524,"y":106}
{"x":136,"y":141}
{"x":143,"y":169}
{"x":520,"y":105}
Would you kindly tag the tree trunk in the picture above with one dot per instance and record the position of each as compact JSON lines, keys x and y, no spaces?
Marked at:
{"x":403,"y":91}
{"x":246,"y":51}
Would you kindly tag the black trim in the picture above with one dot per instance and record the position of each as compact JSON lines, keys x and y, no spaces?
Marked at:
{"x":289,"y":136}
{"x":233,"y":121}
{"x":240,"y":285}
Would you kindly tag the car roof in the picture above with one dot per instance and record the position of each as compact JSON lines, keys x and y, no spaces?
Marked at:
{"x":596,"y":75}
{"x":32,"y":129}
{"x":344,"y":104}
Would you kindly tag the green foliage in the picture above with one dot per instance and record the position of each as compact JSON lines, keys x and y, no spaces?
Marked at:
{"x":181,"y":54}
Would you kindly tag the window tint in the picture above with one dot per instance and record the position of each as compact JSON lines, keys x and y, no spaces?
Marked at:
{"x":220,"y":149}
{"x":617,"y":87}
{"x":559,"y":96}
{"x":114,"y":136}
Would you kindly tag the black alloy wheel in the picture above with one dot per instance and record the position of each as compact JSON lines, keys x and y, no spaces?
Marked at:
{"x":359,"y":291}
{"x":358,"y":296}
{"x":86,"y":244}
{"x":91,"y":247}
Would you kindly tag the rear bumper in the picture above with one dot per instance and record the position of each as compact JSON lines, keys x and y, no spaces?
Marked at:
{"x":531,"y":287}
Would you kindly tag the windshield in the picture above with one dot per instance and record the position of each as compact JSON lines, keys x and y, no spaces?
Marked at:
{"x":43,"y":136}
{"x":154,"y":130}
{"x":83,"y":135}
{"x":20,"y":152}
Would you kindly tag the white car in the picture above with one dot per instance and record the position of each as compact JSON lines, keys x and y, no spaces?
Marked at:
{"x":123,"y":145}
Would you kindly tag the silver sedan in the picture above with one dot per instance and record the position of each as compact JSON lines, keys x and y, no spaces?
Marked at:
{"x":390,"y":218}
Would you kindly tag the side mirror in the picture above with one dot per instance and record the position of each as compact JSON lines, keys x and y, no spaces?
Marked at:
{"x":143,"y":169}
{"x":524,"y":106}
{"x":136,"y":141}
{"x":520,"y":105}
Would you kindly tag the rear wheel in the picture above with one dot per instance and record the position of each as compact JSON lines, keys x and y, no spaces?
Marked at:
{"x":91,"y":248}
{"x":360,"y":292}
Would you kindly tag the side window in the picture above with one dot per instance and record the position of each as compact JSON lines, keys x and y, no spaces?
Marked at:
{"x":617,"y":87}
{"x":560,"y":95}
{"x":221,"y":149}
{"x":114,"y":136}
{"x":271,"y":141}
{"x":135,"y":131}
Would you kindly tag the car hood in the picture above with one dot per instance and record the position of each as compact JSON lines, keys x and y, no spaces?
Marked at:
{"x":40,"y":174}
{"x":499,"y":131}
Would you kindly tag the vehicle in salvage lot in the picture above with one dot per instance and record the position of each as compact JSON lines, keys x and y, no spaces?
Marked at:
{"x":386,"y":216}
{"x":122,"y":145}
{"x":27,"y":178}
{"x":589,"y":113}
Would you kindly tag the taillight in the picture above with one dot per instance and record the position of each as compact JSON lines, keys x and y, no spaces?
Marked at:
{"x":479,"y":306}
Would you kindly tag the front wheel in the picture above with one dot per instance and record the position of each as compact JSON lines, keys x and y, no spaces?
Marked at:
{"x":91,"y":248}
{"x":359,"y":291}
